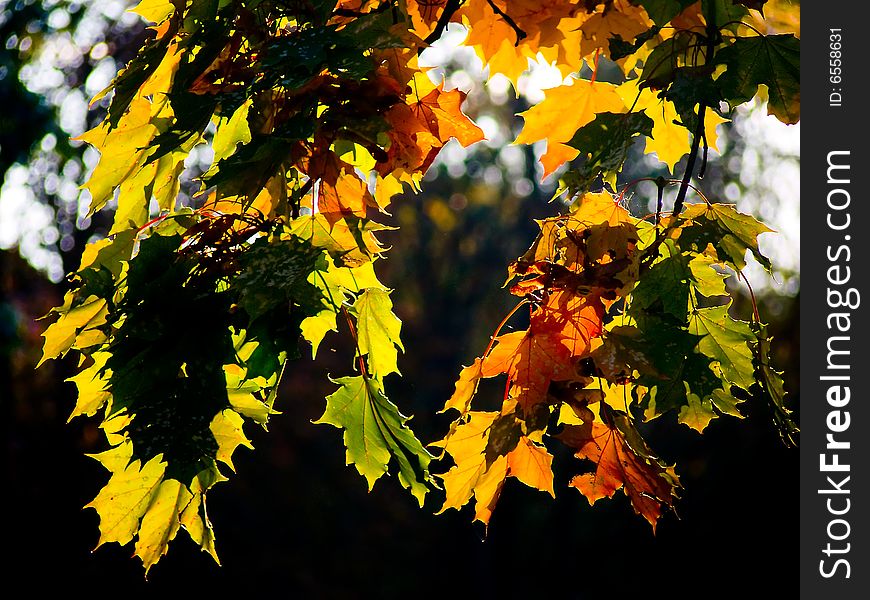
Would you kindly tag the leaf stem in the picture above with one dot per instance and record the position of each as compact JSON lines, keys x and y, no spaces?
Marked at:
{"x":631,"y":184}
{"x":362,"y":364}
{"x":755,"y":314}
{"x":500,"y":325}
{"x":595,"y":68}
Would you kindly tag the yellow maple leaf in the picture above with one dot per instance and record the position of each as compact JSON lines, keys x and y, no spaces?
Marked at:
{"x":564,"y":110}
{"x":71,"y":329}
{"x":161,"y":521}
{"x":465,"y":388}
{"x":122,"y":150}
{"x":466,"y":445}
{"x":92,"y":392}
{"x":595,"y":208}
{"x":473,"y":476}
{"x":126,"y":498}
{"x":669,"y":141}
{"x":226,"y":427}
{"x":155,"y":11}
{"x":621,"y":18}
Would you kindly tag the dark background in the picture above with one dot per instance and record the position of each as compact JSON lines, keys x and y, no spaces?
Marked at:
{"x":296,"y":520}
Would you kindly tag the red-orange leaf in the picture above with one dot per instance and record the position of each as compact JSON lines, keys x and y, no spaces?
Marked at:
{"x":531,"y":361}
{"x":576,"y":320}
{"x":648,"y":484}
{"x":441,"y":111}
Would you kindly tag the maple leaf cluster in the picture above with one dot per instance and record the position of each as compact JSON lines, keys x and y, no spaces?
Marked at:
{"x":318,"y":115}
{"x":578,"y":266}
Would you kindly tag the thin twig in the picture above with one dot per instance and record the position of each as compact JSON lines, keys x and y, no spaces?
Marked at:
{"x":696,"y":139}
{"x":449,"y":10}
{"x":521,"y":35}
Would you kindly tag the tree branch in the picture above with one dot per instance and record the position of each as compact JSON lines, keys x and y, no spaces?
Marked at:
{"x":449,"y":10}
{"x":712,"y":36}
{"x":520,"y":33}
{"x":693,"y":156}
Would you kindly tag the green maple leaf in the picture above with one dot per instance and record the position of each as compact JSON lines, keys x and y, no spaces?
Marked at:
{"x":374,"y":432}
{"x":275,"y":272}
{"x":706,"y":280}
{"x":772,"y":387}
{"x":723,"y":13}
{"x":771,"y":60}
{"x":666,"y":359}
{"x":726,"y":341}
{"x":665,"y":285}
{"x":378,"y":331}
{"x":605,"y":143}
{"x":723,"y":233}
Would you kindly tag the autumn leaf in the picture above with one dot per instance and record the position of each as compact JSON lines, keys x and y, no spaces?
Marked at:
{"x":619,"y":18}
{"x":669,"y":141}
{"x":574,"y":320}
{"x":161,"y":521}
{"x":530,"y":360}
{"x":126,"y":498}
{"x":770,"y":60}
{"x":599,"y":207}
{"x":421,"y":127}
{"x":76,"y":327}
{"x":621,"y":461}
{"x":722,"y":233}
{"x":92,"y":384}
{"x":466,"y":387}
{"x":550,"y":120}
{"x":378,"y":331}
{"x":474,"y":475}
{"x":122,"y":150}
{"x":424,"y":15}
{"x":317,"y":117}
{"x":441,"y":111}
{"x":375,"y":432}
{"x":226,"y":427}
{"x":155,"y":11}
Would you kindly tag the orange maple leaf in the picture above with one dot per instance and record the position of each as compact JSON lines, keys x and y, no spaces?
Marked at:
{"x":648,"y":484}
{"x":421,"y":127}
{"x":576,"y":320}
{"x":560,"y":331}
{"x":441,"y":111}
{"x":475,"y":475}
{"x":424,"y":15}
{"x":531,"y":361}
{"x":339,"y":191}
{"x":547,"y":26}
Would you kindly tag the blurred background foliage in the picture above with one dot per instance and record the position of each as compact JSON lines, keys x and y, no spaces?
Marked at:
{"x":295,"y":519}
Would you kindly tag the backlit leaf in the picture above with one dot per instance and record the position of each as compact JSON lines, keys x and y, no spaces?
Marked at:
{"x":770,"y":60}
{"x":378,"y":331}
{"x":376,"y":432}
